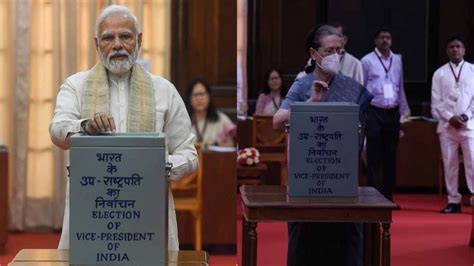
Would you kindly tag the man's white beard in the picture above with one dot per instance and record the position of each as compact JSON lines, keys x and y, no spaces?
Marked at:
{"x":119,"y":66}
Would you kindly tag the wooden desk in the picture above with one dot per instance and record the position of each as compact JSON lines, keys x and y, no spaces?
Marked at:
{"x":245,"y":129}
{"x":270,"y":203}
{"x":3,"y":198}
{"x":273,"y":155}
{"x":281,"y":159}
{"x":251,"y":175}
{"x":218,"y":206}
{"x":418,"y":155}
{"x":56,"y":257}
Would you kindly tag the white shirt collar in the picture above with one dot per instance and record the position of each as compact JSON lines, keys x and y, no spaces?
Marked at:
{"x":458,"y":65}
{"x":118,"y":78}
{"x":380,"y":54}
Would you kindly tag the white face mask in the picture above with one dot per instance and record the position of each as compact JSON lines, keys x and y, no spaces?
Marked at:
{"x":330,"y":63}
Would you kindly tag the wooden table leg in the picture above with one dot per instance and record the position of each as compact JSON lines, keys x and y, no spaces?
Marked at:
{"x":245,"y":243}
{"x":375,"y":244}
{"x":386,"y":244}
{"x":252,"y":235}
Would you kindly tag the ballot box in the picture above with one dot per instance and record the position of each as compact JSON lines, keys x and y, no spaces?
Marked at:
{"x":323,"y":150}
{"x":118,"y":199}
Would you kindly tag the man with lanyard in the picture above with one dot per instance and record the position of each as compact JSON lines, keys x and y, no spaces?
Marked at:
{"x":383,"y":77}
{"x":452,"y":103}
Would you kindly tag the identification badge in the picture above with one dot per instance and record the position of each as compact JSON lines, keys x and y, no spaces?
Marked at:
{"x":388,"y":91}
{"x":454,"y":96}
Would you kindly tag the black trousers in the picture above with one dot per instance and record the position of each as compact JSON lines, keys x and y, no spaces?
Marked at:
{"x":335,"y":244}
{"x":382,"y":132}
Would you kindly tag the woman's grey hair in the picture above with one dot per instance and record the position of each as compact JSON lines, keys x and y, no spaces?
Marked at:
{"x":112,"y":9}
{"x":313,"y":40}
{"x":321,"y":32}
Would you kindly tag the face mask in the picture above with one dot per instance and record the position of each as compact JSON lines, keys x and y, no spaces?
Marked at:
{"x":330,"y":63}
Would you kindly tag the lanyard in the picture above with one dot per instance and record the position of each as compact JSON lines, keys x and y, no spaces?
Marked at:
{"x":200,"y":135}
{"x":275,"y":104}
{"x":383,"y":65}
{"x":456,"y":78}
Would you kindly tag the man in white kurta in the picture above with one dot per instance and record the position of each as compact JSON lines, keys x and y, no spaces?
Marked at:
{"x":452,"y":103}
{"x":119,"y":29}
{"x":350,"y":66}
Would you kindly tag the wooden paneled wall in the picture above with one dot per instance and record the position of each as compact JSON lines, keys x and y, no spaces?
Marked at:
{"x":204,"y":45}
{"x":276,"y":34}
{"x":277,"y":30}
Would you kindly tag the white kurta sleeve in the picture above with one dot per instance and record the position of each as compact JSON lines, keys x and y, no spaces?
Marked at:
{"x":438,"y":109}
{"x":358,"y":72}
{"x":180,"y":140}
{"x":67,"y":116}
{"x":470,"y":110}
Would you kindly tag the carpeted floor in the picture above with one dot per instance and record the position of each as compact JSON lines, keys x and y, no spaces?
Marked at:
{"x":420,"y":236}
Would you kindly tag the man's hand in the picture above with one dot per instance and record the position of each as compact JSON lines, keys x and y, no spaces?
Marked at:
{"x":456,"y":121}
{"x":100,"y":123}
{"x":318,"y":91}
{"x":403,"y":120}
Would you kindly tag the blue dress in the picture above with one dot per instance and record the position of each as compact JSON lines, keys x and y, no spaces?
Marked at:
{"x":335,"y":244}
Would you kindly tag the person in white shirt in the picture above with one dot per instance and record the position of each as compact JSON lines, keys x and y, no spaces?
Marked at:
{"x":211,"y":126}
{"x":452,"y":103}
{"x":118,"y":95}
{"x":350,"y":66}
{"x":272,"y":94}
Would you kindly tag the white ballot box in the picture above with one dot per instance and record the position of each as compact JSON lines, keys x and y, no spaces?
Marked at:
{"x":118,"y":199}
{"x":323,"y":150}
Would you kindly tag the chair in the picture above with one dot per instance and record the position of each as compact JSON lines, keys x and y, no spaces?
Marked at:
{"x":265,"y":138}
{"x":271,"y":143}
{"x":188,"y":197}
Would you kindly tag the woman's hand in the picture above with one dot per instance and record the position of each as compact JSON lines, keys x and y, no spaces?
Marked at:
{"x":318,"y":91}
{"x":227,"y":136}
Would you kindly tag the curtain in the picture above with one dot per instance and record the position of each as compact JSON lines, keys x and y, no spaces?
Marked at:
{"x":7,"y":12}
{"x":54,"y":39}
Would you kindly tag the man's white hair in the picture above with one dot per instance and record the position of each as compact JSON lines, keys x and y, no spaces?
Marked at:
{"x":112,"y":9}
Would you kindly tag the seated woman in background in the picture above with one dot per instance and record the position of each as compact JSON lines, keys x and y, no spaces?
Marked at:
{"x":272,"y":95}
{"x":211,"y":127}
